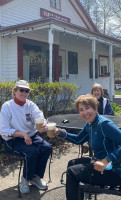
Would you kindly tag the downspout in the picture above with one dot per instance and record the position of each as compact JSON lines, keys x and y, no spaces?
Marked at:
{"x":50,"y":40}
{"x":111,"y":78}
{"x":93,"y":60}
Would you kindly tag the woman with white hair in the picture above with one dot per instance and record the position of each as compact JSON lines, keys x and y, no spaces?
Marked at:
{"x":18,"y":130}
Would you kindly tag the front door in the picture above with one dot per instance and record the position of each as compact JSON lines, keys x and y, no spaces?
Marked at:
{"x":62,"y":66}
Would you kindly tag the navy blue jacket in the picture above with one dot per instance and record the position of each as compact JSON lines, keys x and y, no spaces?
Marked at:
{"x":104,"y":138}
{"x":107,"y":108}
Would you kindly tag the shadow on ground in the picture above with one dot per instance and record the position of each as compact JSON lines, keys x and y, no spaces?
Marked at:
{"x":57,"y":193}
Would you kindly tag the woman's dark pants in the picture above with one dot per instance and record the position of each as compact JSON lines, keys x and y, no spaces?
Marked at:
{"x":82,"y":170}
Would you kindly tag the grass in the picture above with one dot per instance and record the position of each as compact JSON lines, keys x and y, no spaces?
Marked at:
{"x":118,"y":92}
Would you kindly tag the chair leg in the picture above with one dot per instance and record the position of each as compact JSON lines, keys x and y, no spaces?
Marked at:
{"x":62,"y":180}
{"x":19,"y":193}
{"x":80,"y":194}
{"x":50,"y":166}
{"x":80,"y":153}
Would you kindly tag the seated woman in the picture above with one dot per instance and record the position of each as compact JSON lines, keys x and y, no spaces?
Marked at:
{"x":104,"y":107}
{"x":18,"y":130}
{"x":104,"y":138}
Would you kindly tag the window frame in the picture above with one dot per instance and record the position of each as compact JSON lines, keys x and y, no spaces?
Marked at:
{"x":56,"y":2}
{"x":103,"y":64}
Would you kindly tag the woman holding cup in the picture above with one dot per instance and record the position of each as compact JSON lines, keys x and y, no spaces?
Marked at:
{"x":104,"y":138}
{"x":20,"y":121}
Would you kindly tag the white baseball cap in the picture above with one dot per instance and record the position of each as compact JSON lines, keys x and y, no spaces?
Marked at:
{"x":22,"y":84}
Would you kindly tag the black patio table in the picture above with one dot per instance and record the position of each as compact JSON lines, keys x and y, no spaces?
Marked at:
{"x":74,"y":123}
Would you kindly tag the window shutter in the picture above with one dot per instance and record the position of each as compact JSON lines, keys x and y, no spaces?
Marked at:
{"x":91,"y":68}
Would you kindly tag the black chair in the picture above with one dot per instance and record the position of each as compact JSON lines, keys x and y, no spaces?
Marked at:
{"x":3,"y":151}
{"x":83,"y":149}
{"x":88,"y":189}
{"x":51,"y":157}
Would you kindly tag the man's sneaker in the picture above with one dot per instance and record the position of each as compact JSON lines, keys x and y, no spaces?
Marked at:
{"x":40,"y":184}
{"x":24,"y":187}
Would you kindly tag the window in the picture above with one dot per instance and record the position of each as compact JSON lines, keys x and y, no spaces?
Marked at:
{"x":91,"y":68}
{"x":103,"y":63}
{"x":35,"y":61}
{"x":72,"y":63}
{"x":103,"y":70}
{"x":55,"y":4}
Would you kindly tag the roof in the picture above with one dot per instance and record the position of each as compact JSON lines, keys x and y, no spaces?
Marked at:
{"x":78,"y":8}
{"x":3,"y":2}
{"x":67,"y":26}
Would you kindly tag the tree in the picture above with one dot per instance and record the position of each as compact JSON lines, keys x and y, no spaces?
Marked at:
{"x":106,"y":14}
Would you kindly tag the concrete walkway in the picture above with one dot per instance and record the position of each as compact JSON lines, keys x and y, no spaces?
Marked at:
{"x":56,"y":191}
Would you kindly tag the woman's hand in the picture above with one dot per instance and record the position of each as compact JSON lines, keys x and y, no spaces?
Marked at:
{"x":57,"y":130}
{"x":100,"y":165}
{"x":27,"y":139}
{"x":61,"y":132}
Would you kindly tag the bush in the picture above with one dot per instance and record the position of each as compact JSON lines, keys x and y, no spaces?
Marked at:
{"x":116,"y":109}
{"x":52,"y":98}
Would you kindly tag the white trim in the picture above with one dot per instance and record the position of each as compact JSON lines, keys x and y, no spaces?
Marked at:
{"x":0,"y":59}
{"x":50,"y":41}
{"x":93,"y":61}
{"x":111,"y":79}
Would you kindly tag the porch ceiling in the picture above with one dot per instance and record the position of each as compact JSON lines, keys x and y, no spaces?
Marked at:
{"x":60,"y":26}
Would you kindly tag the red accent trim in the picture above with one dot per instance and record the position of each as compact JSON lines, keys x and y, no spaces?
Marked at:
{"x":3,"y":2}
{"x":47,"y":13}
{"x":20,"y":57}
{"x":20,"y":103}
{"x":56,"y":62}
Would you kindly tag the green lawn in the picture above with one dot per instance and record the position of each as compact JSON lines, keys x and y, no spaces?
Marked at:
{"x":118,"y":92}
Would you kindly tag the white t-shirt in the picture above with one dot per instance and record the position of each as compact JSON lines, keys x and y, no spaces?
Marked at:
{"x":18,"y":118}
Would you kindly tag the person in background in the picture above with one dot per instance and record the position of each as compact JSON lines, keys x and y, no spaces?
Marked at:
{"x":104,"y":138}
{"x":18,"y":130}
{"x":104,"y":103}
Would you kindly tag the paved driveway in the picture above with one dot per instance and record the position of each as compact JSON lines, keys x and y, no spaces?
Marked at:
{"x":56,"y":191}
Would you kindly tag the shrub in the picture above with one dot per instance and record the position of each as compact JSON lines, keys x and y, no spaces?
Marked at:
{"x":52,"y":98}
{"x":116,"y":109}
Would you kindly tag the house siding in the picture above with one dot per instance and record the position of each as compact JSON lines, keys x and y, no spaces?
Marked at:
{"x":0,"y":15}
{"x":17,"y":12}
{"x":66,"y":43}
{"x":9,"y":59}
{"x":84,"y":50}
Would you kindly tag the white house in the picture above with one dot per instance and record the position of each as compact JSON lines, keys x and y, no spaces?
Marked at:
{"x":55,"y":40}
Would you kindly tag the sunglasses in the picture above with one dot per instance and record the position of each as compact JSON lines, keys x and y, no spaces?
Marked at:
{"x":24,"y":90}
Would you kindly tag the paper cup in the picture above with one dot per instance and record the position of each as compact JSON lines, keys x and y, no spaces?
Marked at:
{"x":39,"y":123}
{"x":51,"y":130}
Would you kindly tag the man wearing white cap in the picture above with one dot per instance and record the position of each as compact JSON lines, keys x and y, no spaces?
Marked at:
{"x":19,"y":132}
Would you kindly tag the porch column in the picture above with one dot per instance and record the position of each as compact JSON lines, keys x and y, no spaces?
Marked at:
{"x":0,"y":59}
{"x":93,"y":60}
{"x":50,"y":39}
{"x":111,"y":68}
